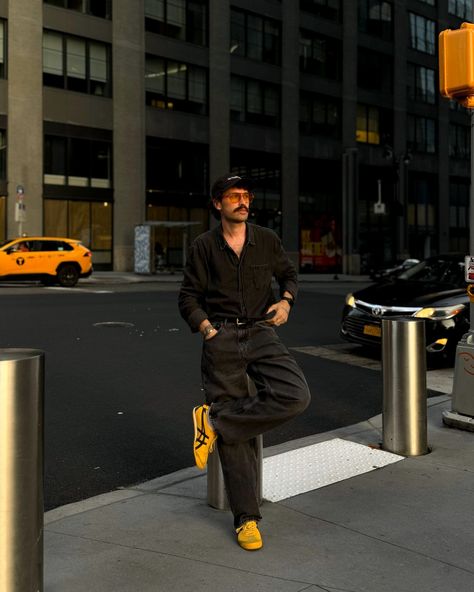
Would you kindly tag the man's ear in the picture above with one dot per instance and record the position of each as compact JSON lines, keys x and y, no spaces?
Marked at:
{"x":217,"y":204}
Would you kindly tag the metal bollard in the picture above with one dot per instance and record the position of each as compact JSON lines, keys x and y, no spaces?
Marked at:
{"x":216,"y":494}
{"x":404,"y":386}
{"x":21,"y":470}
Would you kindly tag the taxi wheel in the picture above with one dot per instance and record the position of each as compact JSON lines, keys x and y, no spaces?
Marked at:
{"x":68,"y":275}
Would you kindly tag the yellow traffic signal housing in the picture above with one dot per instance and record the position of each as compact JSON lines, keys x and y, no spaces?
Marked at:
{"x":456,"y":63}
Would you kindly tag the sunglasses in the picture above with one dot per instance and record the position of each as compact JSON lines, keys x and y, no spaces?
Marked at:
{"x":235,"y":198}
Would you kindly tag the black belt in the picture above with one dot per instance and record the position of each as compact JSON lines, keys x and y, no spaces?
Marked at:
{"x":241,"y":323}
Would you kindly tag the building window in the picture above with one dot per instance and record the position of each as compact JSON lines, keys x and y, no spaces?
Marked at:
{"x":3,"y":49}
{"x":177,"y":185}
{"x":459,"y":215}
{"x":319,"y":55}
{"x":100,"y":8}
{"x":374,"y":71}
{"x":77,"y":64}
{"x":421,"y":214}
{"x":177,"y":86}
{"x":255,"y":37}
{"x":368,"y":125}
{"x":77,"y":162}
{"x":3,"y":154}
{"x":375,"y":18}
{"x":329,"y":9}
{"x":319,"y":115}
{"x":421,"y":84}
{"x":459,"y":141}
{"x":422,"y":34}
{"x":3,"y":217}
{"x":88,"y":221}
{"x":264,"y":169}
{"x":461,"y":8}
{"x":181,"y":19}
{"x":422,"y":134}
{"x":254,"y":101}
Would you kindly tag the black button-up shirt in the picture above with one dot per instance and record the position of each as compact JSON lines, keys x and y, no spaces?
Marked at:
{"x":218,"y":284}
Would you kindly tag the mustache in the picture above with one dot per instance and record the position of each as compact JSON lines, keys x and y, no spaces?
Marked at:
{"x":241,"y":208}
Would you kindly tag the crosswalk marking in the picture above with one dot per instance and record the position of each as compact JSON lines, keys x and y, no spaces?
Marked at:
{"x":73,"y":290}
{"x":440,"y":380}
{"x":339,"y":353}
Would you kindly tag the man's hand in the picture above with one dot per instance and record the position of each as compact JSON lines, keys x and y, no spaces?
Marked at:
{"x":282,"y":311}
{"x":207,"y":330}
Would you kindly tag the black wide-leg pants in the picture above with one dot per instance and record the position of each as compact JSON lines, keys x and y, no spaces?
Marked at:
{"x":238,"y":417}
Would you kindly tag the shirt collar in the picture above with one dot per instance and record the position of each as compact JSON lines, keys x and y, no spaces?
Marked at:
{"x":249,"y":233}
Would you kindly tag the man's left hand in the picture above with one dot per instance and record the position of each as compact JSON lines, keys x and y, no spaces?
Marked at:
{"x":282,"y":311}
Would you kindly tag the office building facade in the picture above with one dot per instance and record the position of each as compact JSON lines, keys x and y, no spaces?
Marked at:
{"x":116,"y":113}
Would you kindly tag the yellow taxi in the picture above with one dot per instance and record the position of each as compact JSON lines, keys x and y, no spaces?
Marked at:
{"x":49,"y":259}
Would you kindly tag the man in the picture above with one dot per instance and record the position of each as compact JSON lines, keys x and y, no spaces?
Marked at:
{"x":227,"y":296}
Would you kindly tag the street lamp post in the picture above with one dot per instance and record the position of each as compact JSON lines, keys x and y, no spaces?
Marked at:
{"x":400,"y":173}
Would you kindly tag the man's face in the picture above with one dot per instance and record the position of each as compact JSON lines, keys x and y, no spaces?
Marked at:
{"x":234,"y":205}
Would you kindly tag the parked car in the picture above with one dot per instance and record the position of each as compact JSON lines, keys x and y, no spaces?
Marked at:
{"x":49,"y":259}
{"x":394,"y":270}
{"x":434,"y":290}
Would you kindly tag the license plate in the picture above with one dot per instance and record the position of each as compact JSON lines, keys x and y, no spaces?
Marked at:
{"x":372,"y":330}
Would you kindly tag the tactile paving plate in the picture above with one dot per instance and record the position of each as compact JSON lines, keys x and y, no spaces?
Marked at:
{"x":318,"y":465}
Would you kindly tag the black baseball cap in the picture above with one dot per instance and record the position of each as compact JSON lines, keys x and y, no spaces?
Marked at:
{"x":222,"y":184}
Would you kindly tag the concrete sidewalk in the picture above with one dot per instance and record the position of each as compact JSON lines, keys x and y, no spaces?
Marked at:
{"x":402,"y":528}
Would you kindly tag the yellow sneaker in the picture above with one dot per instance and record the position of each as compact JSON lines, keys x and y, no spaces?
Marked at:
{"x":248,"y":536}
{"x":204,"y":436}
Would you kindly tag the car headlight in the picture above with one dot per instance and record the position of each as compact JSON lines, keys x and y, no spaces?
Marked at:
{"x":350,"y":300}
{"x":439,"y":313}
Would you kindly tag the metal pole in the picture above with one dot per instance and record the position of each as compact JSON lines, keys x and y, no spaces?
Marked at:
{"x":21,"y":470}
{"x":404,"y":386}
{"x":471,"y":217}
{"x":462,"y":412}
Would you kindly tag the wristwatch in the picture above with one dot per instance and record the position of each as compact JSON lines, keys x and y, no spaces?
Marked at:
{"x":288,"y":299}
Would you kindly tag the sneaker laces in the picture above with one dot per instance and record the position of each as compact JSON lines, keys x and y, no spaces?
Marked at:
{"x":249,"y":527}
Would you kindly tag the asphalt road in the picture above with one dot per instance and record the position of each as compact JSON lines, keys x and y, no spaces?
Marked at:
{"x":123,"y":372}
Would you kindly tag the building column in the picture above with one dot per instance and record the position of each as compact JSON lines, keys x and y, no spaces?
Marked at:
{"x":289,"y":129}
{"x":129,"y":152}
{"x":25,"y":114}
{"x":219,"y":88}
{"x":400,"y":145}
{"x":350,"y":182}
{"x":443,"y":203}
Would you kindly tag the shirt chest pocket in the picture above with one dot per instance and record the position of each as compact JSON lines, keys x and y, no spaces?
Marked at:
{"x":261,"y":276}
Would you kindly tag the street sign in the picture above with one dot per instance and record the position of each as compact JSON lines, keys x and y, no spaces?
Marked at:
{"x":20,"y":212}
{"x":379,"y":208}
{"x":469,"y":269}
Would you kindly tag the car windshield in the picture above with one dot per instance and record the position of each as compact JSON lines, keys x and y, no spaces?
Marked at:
{"x":436,"y":270}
